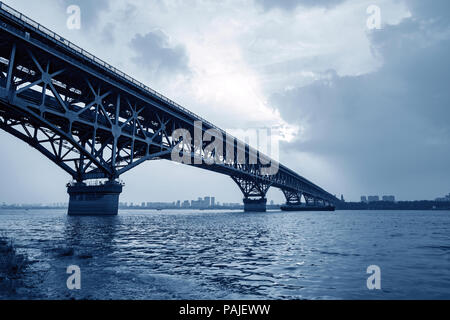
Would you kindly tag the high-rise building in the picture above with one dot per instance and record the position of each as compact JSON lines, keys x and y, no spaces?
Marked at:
{"x":213,"y":201}
{"x":389,"y":198}
{"x":186,"y":204}
{"x":373,"y":198}
{"x":207,"y":202}
{"x":364,"y":199}
{"x":444,"y":199}
{"x":342,"y":198}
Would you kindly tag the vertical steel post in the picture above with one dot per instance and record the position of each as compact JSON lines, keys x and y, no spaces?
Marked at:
{"x":11,"y":70}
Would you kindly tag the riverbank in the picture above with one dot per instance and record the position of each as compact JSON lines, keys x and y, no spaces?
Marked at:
{"x":12,"y":267}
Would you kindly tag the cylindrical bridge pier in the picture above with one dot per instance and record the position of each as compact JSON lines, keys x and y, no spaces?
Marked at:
{"x":255,"y":205}
{"x":101,"y":199}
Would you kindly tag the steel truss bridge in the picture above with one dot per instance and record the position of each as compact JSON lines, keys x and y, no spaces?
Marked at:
{"x":96,"y":122}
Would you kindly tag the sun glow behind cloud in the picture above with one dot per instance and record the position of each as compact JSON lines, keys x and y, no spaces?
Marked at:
{"x":221,"y":85}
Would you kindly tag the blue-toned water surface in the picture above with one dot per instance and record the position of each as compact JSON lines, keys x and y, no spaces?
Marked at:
{"x":233,"y":255}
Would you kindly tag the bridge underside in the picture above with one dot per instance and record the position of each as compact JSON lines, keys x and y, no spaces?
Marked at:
{"x":294,"y":199}
{"x":95,"y":122}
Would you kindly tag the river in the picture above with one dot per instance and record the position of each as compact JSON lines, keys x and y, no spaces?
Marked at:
{"x":232,"y":255}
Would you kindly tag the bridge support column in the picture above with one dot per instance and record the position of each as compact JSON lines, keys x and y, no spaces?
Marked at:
{"x":255,"y":205}
{"x":254,"y":194}
{"x":102,"y":199}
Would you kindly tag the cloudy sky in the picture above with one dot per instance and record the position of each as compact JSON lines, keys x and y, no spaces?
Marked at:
{"x":361,"y":111}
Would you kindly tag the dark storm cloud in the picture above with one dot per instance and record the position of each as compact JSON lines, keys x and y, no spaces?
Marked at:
{"x":438,"y":10}
{"x":291,"y":4}
{"x":90,"y":10}
{"x":154,"y":52}
{"x":391,"y":128}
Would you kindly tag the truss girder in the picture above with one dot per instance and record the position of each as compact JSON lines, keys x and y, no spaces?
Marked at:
{"x":292,"y":197}
{"x":95,"y":123}
{"x":104,"y":132}
{"x":252,"y":188}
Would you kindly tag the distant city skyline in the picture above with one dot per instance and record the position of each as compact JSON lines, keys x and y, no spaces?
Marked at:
{"x":375,"y":198}
{"x":209,"y":202}
{"x":205,"y":202}
{"x":200,"y":202}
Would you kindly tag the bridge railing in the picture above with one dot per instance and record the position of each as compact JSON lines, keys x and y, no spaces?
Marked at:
{"x":33,"y":25}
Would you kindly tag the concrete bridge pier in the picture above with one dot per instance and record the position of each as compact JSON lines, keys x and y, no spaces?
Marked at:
{"x":255,"y":205}
{"x":101,"y":199}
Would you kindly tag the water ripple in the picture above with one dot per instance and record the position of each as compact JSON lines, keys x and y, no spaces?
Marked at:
{"x":229,"y":255}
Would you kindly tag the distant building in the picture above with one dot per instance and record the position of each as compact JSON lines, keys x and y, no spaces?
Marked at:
{"x":271,"y":202}
{"x":444,"y":199}
{"x":213,"y":201}
{"x":201,"y":203}
{"x":207,"y":202}
{"x":186,"y":204}
{"x":231,"y":205}
{"x":195,"y":204}
{"x":373,"y":198}
{"x":342,"y":198}
{"x":389,"y":198}
{"x":364,"y":199}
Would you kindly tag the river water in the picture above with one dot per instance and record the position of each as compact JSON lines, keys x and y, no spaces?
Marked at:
{"x":233,"y":255}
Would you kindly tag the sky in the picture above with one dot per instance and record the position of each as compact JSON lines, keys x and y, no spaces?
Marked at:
{"x":361,"y":111}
